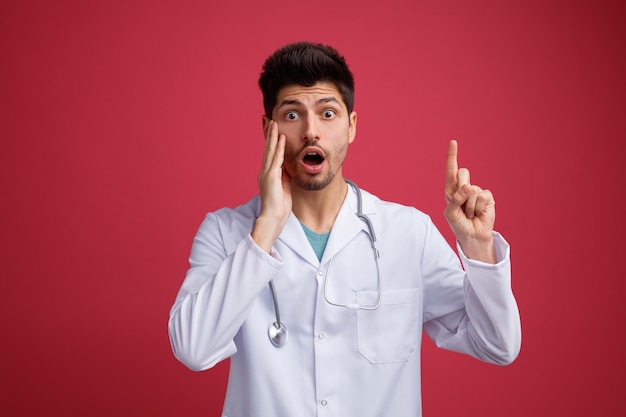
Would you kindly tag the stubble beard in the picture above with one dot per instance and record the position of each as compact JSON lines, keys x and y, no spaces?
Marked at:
{"x":309,"y":182}
{"x":316,"y":182}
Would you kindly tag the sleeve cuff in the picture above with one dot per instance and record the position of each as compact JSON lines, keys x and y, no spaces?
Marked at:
{"x":273,"y":258}
{"x":503,"y":253}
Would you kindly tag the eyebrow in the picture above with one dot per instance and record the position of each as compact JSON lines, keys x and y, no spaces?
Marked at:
{"x":299,"y":103}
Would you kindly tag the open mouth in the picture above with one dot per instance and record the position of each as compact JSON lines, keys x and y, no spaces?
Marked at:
{"x":312,"y":158}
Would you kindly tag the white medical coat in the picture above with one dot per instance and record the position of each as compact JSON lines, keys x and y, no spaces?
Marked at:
{"x":337,"y":361}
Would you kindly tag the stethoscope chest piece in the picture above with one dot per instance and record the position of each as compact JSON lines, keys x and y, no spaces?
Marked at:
{"x":277,"y":330}
{"x":278,"y":334}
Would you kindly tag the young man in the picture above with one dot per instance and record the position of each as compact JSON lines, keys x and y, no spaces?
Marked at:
{"x":353,"y":279}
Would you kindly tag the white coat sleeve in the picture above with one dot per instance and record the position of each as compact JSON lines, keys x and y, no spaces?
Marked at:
{"x":473,"y":311}
{"x":217,"y":294}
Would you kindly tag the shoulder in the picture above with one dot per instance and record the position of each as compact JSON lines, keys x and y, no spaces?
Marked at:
{"x":389,"y":210}
{"x":243,"y":212}
{"x":236,"y":221}
{"x":400,"y":229}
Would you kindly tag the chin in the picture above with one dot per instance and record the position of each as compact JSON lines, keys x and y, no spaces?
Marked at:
{"x":312,"y":183}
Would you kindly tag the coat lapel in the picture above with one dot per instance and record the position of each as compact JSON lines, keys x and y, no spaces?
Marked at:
{"x":294,"y":237}
{"x":348,"y":225}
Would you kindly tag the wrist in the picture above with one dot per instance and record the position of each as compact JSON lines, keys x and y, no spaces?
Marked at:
{"x":479,"y":249}
{"x":265,"y":232}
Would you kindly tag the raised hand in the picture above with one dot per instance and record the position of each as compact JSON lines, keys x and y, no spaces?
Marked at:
{"x":275,"y":190}
{"x":470,"y":210}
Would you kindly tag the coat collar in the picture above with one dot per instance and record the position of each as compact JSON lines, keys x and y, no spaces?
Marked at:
{"x":347,"y":225}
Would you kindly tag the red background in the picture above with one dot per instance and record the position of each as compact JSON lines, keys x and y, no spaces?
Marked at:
{"x":123,"y":122}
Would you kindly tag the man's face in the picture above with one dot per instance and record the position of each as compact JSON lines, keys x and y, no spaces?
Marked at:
{"x":318,"y":128}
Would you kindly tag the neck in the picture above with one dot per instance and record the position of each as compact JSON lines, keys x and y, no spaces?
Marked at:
{"x":318,"y":209}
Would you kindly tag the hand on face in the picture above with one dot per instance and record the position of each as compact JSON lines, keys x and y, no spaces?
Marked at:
{"x":274,"y":188}
{"x":470,"y":210}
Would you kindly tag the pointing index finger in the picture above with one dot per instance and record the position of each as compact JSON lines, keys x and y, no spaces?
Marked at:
{"x":452,"y":166}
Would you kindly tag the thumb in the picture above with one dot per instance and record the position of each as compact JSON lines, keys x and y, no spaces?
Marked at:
{"x":455,"y":201}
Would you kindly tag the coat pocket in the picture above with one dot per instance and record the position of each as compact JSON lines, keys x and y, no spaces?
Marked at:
{"x":391,"y":333}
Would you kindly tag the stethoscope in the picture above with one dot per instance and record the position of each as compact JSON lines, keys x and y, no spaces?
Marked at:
{"x":278,"y":331}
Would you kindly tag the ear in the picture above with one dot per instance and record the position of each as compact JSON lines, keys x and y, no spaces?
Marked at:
{"x":352,"y":127}
{"x":266,"y":121}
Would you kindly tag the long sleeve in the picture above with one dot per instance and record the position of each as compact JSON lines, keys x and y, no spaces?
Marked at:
{"x":481,"y":318}
{"x":338,"y":361}
{"x":227,"y":272}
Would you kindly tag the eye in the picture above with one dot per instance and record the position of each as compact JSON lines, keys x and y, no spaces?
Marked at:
{"x":292,"y":115}
{"x":328,"y":114}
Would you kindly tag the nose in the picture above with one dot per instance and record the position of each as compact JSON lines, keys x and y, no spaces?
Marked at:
{"x":311,"y":131}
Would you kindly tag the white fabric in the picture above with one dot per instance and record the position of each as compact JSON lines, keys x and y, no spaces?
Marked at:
{"x":337,"y":362}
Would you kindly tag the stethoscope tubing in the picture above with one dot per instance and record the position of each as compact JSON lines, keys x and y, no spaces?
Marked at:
{"x":277,"y":331}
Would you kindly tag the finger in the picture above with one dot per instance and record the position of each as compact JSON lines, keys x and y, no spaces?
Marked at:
{"x":462,"y":177}
{"x":472,"y":198}
{"x":485,"y":199}
{"x":271,"y":138}
{"x":266,"y":126}
{"x":279,"y":154}
{"x":458,"y":199}
{"x":452,"y":167}
{"x":286,"y":179}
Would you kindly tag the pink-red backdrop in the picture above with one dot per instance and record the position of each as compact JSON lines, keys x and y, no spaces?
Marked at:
{"x":123,"y":122}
